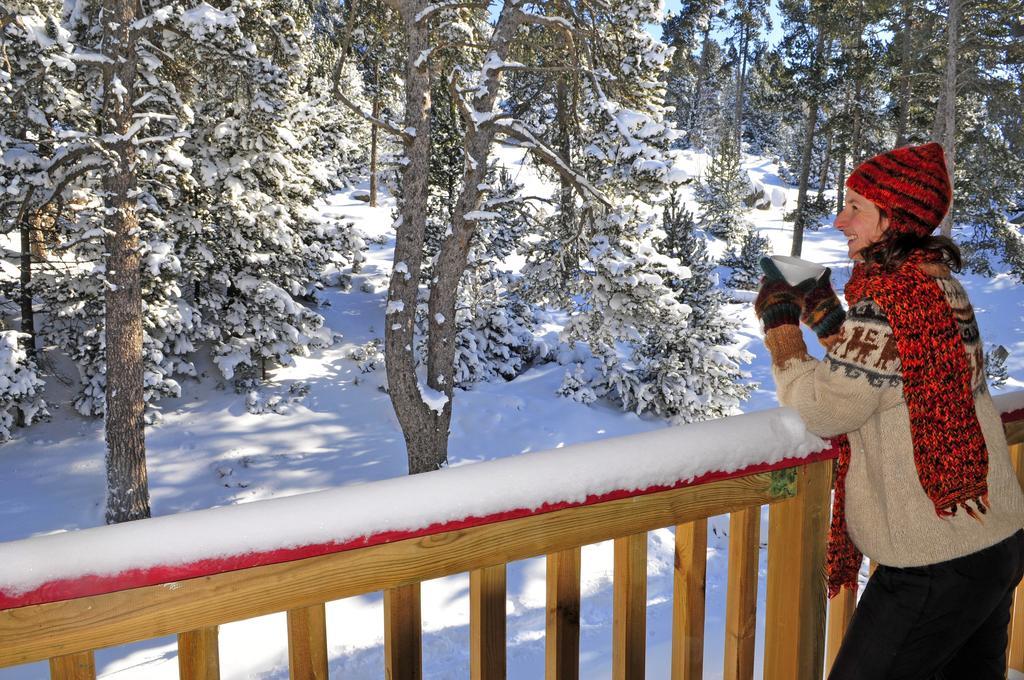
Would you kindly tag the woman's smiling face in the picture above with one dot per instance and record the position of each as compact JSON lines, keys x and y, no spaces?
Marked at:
{"x":861,"y":222}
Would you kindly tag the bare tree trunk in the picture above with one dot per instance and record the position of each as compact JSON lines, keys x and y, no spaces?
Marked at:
{"x":127,"y":486}
{"x":425,"y":426}
{"x":841,"y":180}
{"x":858,"y":126}
{"x":944,"y":129}
{"x":825,"y":163}
{"x":805,"y":172}
{"x":843,"y":153}
{"x":28,"y":322}
{"x":454,"y":253}
{"x":905,"y":91}
{"x":26,"y":224}
{"x":805,"y":157}
{"x":568,"y":228}
{"x":426,"y":442}
{"x":741,"y":77}
{"x":373,"y":151}
{"x":696,"y":115}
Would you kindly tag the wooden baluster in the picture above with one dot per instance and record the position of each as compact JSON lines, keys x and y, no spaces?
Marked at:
{"x":562,"y":636}
{"x":1015,"y":640}
{"x":307,"y":643}
{"x":629,"y":616}
{"x":79,"y":666}
{"x":199,"y":655}
{"x":741,"y":597}
{"x":688,"y":600}
{"x":840,"y":611}
{"x":487,"y":623}
{"x":403,"y":645}
{"x":795,"y":609}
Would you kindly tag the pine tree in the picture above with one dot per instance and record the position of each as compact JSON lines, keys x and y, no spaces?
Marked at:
{"x":446,"y":164}
{"x":372,"y":38}
{"x":721,"y":192}
{"x":610,"y":154}
{"x":697,"y":284}
{"x":989,"y":189}
{"x":745,"y":263}
{"x":332,"y":134}
{"x":495,"y":324}
{"x":645,"y":341}
{"x":694,"y":72}
{"x":709,"y":121}
{"x":678,"y":224}
{"x":769,"y":110}
{"x":806,"y":43}
{"x":21,"y":388}
{"x":552,"y":115}
{"x":910,"y":62}
{"x":989,"y":170}
{"x":35,"y":50}
{"x":745,"y":19}
{"x":255,"y":183}
{"x":226,"y":180}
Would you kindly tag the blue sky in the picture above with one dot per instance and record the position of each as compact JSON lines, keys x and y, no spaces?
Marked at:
{"x":673,"y":6}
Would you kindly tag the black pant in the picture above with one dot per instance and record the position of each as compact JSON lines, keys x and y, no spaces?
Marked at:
{"x":945,"y":621}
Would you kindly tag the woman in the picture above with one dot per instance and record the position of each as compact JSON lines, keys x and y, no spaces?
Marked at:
{"x":925,"y":487}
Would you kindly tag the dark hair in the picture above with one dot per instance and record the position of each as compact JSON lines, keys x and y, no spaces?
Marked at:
{"x":895,"y":247}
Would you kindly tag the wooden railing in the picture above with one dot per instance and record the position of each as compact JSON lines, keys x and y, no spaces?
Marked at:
{"x":796,"y":646}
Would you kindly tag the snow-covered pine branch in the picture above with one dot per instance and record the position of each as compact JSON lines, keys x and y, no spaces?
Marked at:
{"x":550,"y":158}
{"x":379,"y":122}
{"x":430,"y":10}
{"x":20,"y":386}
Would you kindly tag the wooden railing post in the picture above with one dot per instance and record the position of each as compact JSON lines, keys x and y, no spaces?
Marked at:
{"x":199,"y":655}
{"x":741,"y":596}
{"x":487,"y":640}
{"x":840,"y":611}
{"x":1015,"y":639}
{"x":689,"y":599}
{"x":629,"y":605}
{"x":80,"y":666}
{"x":307,"y":643}
{"x":403,"y":634}
{"x":795,"y":608}
{"x":562,"y":634}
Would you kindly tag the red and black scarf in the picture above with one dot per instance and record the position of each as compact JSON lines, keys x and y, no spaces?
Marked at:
{"x":949,"y":447}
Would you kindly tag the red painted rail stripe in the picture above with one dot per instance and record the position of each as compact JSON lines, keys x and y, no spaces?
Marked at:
{"x":91,"y":584}
{"x":1012,"y":416}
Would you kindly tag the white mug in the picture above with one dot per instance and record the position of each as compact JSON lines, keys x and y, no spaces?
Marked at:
{"x":795,"y":270}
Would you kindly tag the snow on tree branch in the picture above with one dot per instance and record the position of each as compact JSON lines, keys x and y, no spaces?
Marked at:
{"x":550,"y":20}
{"x":404,"y":135}
{"x":546,"y":155}
{"x":431,"y":10}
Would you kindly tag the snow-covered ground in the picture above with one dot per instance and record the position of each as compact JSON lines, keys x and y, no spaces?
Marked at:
{"x":337,"y":429}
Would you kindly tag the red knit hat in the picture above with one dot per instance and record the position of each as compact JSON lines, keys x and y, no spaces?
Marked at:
{"x":910,"y":184}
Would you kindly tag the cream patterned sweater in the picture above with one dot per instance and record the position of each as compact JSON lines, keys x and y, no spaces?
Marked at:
{"x":857,"y":389}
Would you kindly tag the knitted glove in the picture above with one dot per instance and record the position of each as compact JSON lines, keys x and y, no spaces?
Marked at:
{"x":777,"y":302}
{"x":822,"y":311}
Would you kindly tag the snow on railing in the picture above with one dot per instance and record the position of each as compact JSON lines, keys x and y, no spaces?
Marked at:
{"x":205,"y":542}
